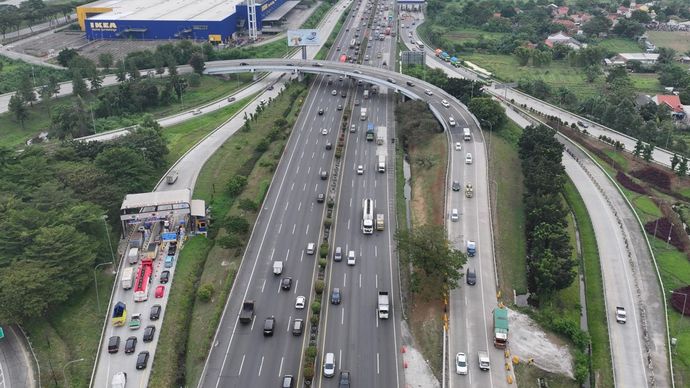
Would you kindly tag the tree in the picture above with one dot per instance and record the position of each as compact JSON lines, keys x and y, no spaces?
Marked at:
{"x":628,"y":28}
{"x":683,"y":167}
{"x":593,"y":72}
{"x":647,"y":152}
{"x":197,"y":63}
{"x":96,"y":81}
{"x":172,"y":65}
{"x":675,"y":160}
{"x":523,"y":55}
{"x":18,"y":109}
{"x":26,"y":89}
{"x":159,"y":64}
{"x":78,"y":84}
{"x":105,"y":60}
{"x":596,"y":25}
{"x":179,"y":85}
{"x":120,"y":71}
{"x":666,"y":55}
{"x":640,"y":16}
{"x":489,"y":112}
{"x":236,"y":184}
{"x":639,"y":147}
{"x":430,"y":252}
{"x":132,"y":70}
{"x":66,"y":55}
{"x":565,"y":96}
{"x":46,"y":94}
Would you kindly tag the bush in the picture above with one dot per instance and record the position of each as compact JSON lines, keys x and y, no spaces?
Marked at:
{"x":231,"y":241}
{"x":663,"y":228}
{"x":308,"y":372}
{"x":205,"y":292}
{"x":654,"y":176}
{"x":236,"y":184}
{"x":262,"y":146}
{"x":322,"y":263}
{"x":319,"y":286}
{"x":248,"y":205}
{"x":316,"y":308}
{"x":311,"y":352}
{"x":314,"y":320}
{"x":327,"y":222}
{"x":679,"y":299}
{"x":237,"y":224}
{"x":629,"y":184}
{"x":323,"y":250}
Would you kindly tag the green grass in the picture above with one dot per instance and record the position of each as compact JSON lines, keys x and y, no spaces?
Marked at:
{"x":71,"y":332}
{"x":181,"y":137}
{"x":679,"y":41}
{"x":619,"y":45}
{"x":527,"y":376}
{"x":646,"y":83}
{"x":646,"y":209}
{"x":463,"y":34}
{"x":509,"y":215}
{"x":618,"y":158}
{"x":596,"y":311}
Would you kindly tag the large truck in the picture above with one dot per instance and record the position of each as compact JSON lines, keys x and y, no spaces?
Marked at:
{"x":466,"y":134}
{"x":500,"y":327}
{"x":437,"y":52}
{"x":247,"y":312}
{"x":383,"y":305}
{"x":365,"y":95}
{"x":368,"y":216}
{"x":127,"y":275}
{"x":381,"y":135}
{"x":380,"y":223}
{"x":454,"y":61}
{"x":445,"y":56}
{"x":119,"y":314}
{"x":363,"y":114}
{"x":381,"y":166}
{"x":370,"y":132}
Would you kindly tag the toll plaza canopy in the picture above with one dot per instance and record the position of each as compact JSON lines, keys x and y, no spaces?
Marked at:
{"x":156,"y":205}
{"x":281,"y":11}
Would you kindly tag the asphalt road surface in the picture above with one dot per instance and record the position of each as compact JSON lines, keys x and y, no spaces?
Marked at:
{"x":15,"y":361}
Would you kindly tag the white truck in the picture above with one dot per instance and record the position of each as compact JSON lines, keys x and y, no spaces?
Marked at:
{"x":484,"y":362}
{"x":127,"y":275}
{"x":381,"y":135}
{"x":381,"y":165}
{"x":368,"y":216}
{"x":365,"y":95}
{"x":380,"y":222}
{"x":363,"y":114}
{"x":277,"y":267}
{"x":384,"y":304}
{"x":466,"y":134}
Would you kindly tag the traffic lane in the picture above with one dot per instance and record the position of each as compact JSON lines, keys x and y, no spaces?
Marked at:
{"x":628,"y":354}
{"x":15,"y":363}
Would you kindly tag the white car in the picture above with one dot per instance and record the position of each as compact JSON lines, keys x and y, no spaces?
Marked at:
{"x":468,"y":158}
{"x":324,"y":131}
{"x":360,"y":170}
{"x":263,"y":101}
{"x":428,"y":92}
{"x":458,"y":146}
{"x":461,"y":364}
{"x":299,"y":302}
{"x":351,"y":258}
{"x":196,"y":112}
{"x":451,"y":121}
{"x":334,"y":92}
{"x":454,"y":215}
{"x":445,"y":103}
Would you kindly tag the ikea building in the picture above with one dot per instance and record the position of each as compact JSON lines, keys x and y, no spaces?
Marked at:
{"x":210,"y":20}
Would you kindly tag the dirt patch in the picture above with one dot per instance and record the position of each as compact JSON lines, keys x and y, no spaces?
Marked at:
{"x":427,"y":329}
{"x":528,"y":340}
{"x":428,"y":169}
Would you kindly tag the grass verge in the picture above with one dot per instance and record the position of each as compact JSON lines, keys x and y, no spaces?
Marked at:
{"x":323,"y":52}
{"x":594,"y":291}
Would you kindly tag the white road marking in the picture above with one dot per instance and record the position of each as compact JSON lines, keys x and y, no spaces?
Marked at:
{"x":280,"y":370}
{"x":239,"y":373}
{"x":280,"y":227}
{"x":307,"y":231}
{"x":293,"y":228}
{"x":263,"y":285}
{"x":262,"y":365}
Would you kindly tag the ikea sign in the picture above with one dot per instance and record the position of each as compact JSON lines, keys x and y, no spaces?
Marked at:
{"x":103,"y":26}
{"x":266,"y":6}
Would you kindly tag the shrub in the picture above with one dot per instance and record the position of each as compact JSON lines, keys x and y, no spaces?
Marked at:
{"x":319,"y":286}
{"x":237,"y":224}
{"x":205,"y":292}
{"x":248,"y":205}
{"x":629,"y":184}
{"x":316,"y":308}
{"x":236,"y":184}
{"x":308,"y":372}
{"x":323,"y":250}
{"x":231,"y":241}
{"x":311,"y":352}
{"x":679,"y":300}
{"x":322,"y":263}
{"x":663,"y":228}
{"x":262,"y":146}
{"x":327,"y":222}
{"x":314,"y":320}
{"x":654,"y":176}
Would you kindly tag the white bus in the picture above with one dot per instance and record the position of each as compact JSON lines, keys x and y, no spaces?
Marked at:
{"x":368,"y":216}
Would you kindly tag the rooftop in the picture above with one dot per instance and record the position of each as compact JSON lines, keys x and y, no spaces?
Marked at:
{"x":671,"y":100}
{"x":202,"y":10}
{"x":639,"y":56}
{"x":155,"y":198}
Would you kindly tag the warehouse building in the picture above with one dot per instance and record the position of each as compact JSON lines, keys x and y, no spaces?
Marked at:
{"x":210,"y":20}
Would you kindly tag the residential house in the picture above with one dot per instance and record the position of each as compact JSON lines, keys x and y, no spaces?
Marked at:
{"x":570,"y":25}
{"x":561,"y":38}
{"x":642,"y":58}
{"x":673,"y":102}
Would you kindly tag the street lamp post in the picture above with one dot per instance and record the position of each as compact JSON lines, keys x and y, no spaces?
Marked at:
{"x":110,"y":244}
{"x":95,"y":281}
{"x":63,"y":369}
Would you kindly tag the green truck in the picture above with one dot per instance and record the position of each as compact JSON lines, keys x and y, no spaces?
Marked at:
{"x":500,"y":327}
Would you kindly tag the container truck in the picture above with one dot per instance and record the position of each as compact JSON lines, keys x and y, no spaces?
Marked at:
{"x":454,"y":61}
{"x":381,"y":135}
{"x":384,"y":304}
{"x":500,"y":327}
{"x":437,"y":52}
{"x":363,"y":114}
{"x":370,"y":132}
{"x":445,"y":56}
{"x":382,"y":163}
{"x":247,"y":312}
{"x":127,"y":277}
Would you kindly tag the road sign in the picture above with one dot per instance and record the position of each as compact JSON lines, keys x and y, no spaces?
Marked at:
{"x":2,"y":333}
{"x":170,"y":236}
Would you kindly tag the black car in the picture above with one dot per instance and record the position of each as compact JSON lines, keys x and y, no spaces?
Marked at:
{"x":142,"y":360}
{"x":343,"y":94}
{"x":456,"y":186}
{"x":165,"y":276}
{"x":409,"y":83}
{"x":149,"y":333}
{"x":155,"y":312}
{"x":344,"y":381}
{"x":329,"y":145}
{"x":114,"y":344}
{"x":324,"y":175}
{"x":320,"y":197}
{"x":471,"y":276}
{"x":320,"y":111}
{"x":286,"y":283}
{"x":335,"y":296}
{"x":243,"y":64}
{"x":131,"y":345}
{"x":171,"y":250}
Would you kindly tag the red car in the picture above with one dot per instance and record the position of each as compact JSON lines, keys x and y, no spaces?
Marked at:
{"x":160,"y":291}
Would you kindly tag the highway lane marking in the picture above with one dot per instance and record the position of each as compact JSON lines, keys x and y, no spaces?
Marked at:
{"x":313,"y":154}
{"x":350,"y":201}
{"x":309,"y":170}
{"x":376,"y":281}
{"x":299,"y":206}
{"x":340,"y":358}
{"x":307,"y":231}
{"x":279,"y":287}
{"x":344,"y":279}
{"x":364,"y":184}
{"x":287,"y":255}
{"x":301,"y":257}
{"x":360,"y":280}
{"x":292,"y":186}
{"x":301,"y":156}
{"x":378,"y":364}
{"x":239,"y":373}
{"x":280,"y":370}
{"x":272,"y":253}
{"x":261,"y":366}
{"x":348,"y":224}
{"x":316,"y":187}
{"x":304,"y":188}
{"x":376,"y":251}
{"x":293,"y":228}
{"x":297,"y":170}
{"x":296,"y":283}
{"x":263,"y":285}
{"x":280,"y":227}
{"x":287,"y":329}
{"x":342,"y":317}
